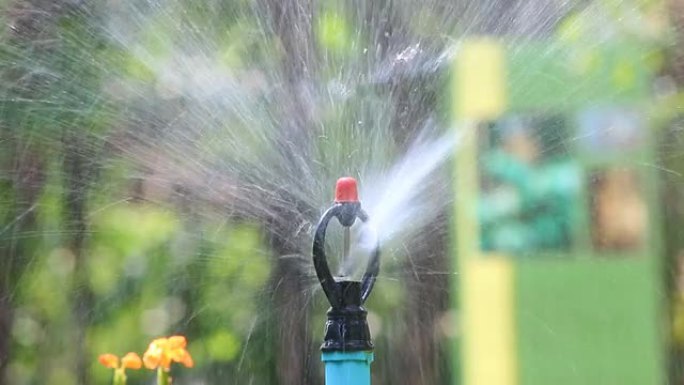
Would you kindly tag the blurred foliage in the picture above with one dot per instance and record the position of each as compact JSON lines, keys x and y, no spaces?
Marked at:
{"x":144,"y":288}
{"x":334,"y":34}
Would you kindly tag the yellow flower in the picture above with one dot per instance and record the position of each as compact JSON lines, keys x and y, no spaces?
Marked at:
{"x":163,"y":351}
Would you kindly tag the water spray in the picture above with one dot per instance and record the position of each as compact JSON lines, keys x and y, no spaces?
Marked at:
{"x":347,"y":347}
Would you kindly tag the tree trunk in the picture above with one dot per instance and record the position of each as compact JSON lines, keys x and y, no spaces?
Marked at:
{"x":21,"y":160}
{"x":672,"y":192}
{"x":414,"y":99}
{"x":291,"y":22}
{"x":428,"y":300}
{"x":24,"y":185}
{"x":291,"y":304}
{"x":675,"y":63}
{"x":6,"y":321}
{"x":78,"y":169}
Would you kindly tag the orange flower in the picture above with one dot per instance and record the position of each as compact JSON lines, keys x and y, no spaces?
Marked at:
{"x":109,"y":360}
{"x":163,"y":351}
{"x":129,"y":361}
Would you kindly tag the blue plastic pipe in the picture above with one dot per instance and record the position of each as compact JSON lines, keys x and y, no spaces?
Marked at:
{"x":347,"y":368}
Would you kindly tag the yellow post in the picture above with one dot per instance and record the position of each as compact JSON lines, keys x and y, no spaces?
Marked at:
{"x":486,"y":305}
{"x":480,"y":80}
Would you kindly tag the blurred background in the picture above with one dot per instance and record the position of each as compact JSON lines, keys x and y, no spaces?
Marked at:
{"x":163,"y":164}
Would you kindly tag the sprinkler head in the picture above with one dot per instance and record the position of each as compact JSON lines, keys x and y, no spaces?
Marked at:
{"x":346,"y":190}
{"x":346,"y":328}
{"x":347,"y":199}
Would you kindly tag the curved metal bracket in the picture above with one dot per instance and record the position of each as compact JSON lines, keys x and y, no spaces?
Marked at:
{"x":346,"y":213}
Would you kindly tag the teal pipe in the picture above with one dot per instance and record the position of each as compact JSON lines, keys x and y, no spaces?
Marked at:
{"x":347,"y":368}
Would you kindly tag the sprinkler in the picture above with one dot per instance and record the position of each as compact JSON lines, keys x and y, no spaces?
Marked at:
{"x":347,"y":347}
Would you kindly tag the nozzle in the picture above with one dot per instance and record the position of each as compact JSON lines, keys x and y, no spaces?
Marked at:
{"x":346,"y":190}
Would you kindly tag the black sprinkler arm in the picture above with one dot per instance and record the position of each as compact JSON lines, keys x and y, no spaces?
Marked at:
{"x":346,"y":329}
{"x":346,"y":213}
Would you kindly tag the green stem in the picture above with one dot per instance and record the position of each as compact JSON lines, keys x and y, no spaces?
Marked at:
{"x":119,"y":377}
{"x":163,"y":377}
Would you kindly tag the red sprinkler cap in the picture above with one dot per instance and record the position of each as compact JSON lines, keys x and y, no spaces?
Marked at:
{"x":346,"y":191}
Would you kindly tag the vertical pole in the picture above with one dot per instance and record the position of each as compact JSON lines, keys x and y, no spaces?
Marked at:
{"x":485,"y":285}
{"x":347,"y":368}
